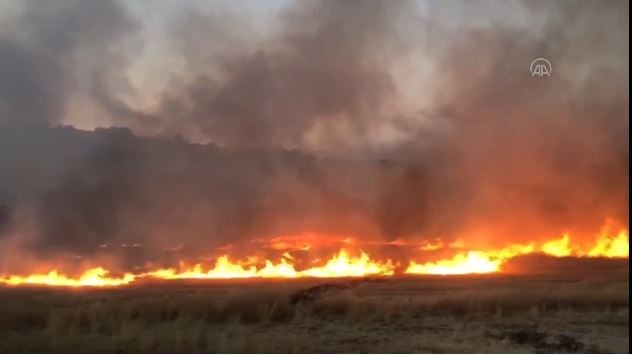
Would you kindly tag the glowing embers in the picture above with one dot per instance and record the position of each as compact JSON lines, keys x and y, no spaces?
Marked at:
{"x":91,"y":277}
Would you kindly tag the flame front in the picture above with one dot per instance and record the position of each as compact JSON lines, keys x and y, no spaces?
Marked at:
{"x":471,"y":262}
{"x":558,"y":247}
{"x":343,"y":264}
{"x":340,"y":265}
{"x":478,"y":261}
{"x":92,"y":277}
{"x":615,"y":247}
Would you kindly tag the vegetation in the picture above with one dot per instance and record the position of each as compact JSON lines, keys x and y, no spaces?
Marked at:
{"x":434,"y":314}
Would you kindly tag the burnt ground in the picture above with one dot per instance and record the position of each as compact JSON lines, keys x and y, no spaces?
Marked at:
{"x":462,"y":314}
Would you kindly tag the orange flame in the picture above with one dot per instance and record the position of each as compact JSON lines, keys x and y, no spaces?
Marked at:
{"x":477,"y":261}
{"x":342,"y":264}
{"x":558,"y":247}
{"x":91,"y":277}
{"x":611,"y":246}
{"x":471,"y":262}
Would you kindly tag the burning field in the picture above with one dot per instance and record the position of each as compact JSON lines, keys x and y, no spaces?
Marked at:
{"x":607,"y":245}
{"x":318,"y":176}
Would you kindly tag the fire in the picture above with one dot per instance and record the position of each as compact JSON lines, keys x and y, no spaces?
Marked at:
{"x":471,"y":262}
{"x":343,"y":264}
{"x":607,"y":245}
{"x":558,"y":247}
{"x":224,"y":269}
{"x":611,"y":247}
{"x":478,"y":261}
{"x":91,"y":277}
{"x":340,"y":265}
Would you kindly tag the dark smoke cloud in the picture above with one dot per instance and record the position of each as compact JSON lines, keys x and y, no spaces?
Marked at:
{"x":57,"y":45}
{"x":324,"y":70}
{"x":32,"y":86}
{"x":497,"y":157}
{"x":118,"y":189}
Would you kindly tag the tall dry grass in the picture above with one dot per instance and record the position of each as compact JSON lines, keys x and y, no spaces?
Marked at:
{"x":264,"y":319}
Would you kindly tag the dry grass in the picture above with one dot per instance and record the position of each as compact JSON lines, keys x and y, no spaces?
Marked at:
{"x":469,"y":314}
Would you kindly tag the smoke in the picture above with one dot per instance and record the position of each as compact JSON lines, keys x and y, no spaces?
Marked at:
{"x":306,"y":129}
{"x":552,"y":150}
{"x":53,"y":51}
{"x":31,"y":86}
{"x":321,"y":75}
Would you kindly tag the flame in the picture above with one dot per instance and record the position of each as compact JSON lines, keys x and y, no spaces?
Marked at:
{"x":471,"y":262}
{"x":558,"y":247}
{"x":606,"y":246}
{"x":611,"y":246}
{"x":224,"y":269}
{"x":479,"y":262}
{"x":340,"y":265}
{"x":92,"y":277}
{"x":343,"y":264}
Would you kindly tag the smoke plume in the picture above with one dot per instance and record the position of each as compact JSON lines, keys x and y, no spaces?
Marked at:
{"x":306,"y":128}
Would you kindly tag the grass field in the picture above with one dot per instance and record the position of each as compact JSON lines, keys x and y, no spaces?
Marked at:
{"x":425,"y":314}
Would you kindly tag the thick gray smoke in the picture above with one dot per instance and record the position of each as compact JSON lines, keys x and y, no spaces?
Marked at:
{"x":295,"y":122}
{"x":52,"y":48}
